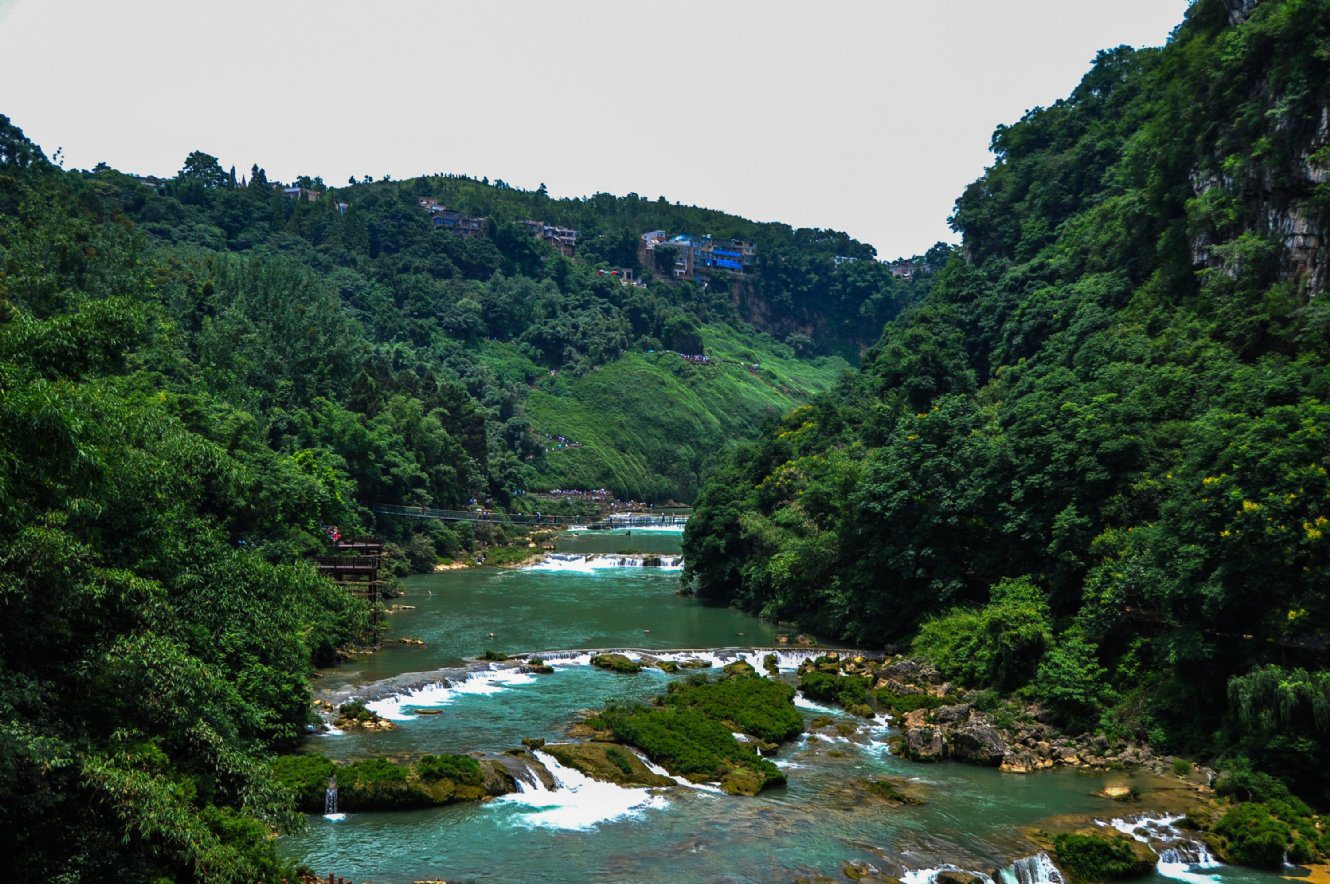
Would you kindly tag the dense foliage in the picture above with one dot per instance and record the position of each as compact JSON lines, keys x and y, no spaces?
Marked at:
{"x":199,"y":378}
{"x":345,"y":321}
{"x":1092,"y":464}
{"x":158,"y":624}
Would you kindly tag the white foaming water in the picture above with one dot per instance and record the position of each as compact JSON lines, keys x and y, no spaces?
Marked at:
{"x":928,"y":876}
{"x":1037,"y":869}
{"x":334,"y":817}
{"x":786,"y":661}
{"x":578,"y":802}
{"x":804,"y":703}
{"x":576,"y":563}
{"x":566,"y":658}
{"x":644,"y":529}
{"x":682,"y":781}
{"x":441,"y":694}
{"x":1180,"y":862}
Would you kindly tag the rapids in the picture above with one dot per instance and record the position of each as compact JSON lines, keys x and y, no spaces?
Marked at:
{"x":588,"y":830}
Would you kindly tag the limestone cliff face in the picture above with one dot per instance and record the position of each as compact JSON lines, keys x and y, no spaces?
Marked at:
{"x":1272,"y":192}
{"x":1238,"y":10}
{"x":1282,"y":211}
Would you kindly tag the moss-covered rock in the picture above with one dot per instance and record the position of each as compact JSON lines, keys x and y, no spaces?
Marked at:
{"x":354,"y":715}
{"x":895,"y":791}
{"x":830,"y":687}
{"x":1090,"y":857}
{"x":667,"y":666}
{"x":746,"y":781}
{"x":739,"y":667}
{"x":379,"y":784}
{"x":956,"y":876}
{"x":607,"y":761}
{"x":616,"y":663}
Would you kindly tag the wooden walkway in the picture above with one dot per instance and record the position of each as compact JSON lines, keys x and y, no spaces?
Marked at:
{"x":356,"y":567}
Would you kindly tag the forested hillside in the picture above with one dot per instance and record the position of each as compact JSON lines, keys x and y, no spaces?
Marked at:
{"x":301,"y":306}
{"x":197,"y":378}
{"x":1092,"y":466}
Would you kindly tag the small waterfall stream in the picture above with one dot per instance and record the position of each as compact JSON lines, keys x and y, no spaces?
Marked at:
{"x":330,"y":801}
{"x":1036,"y":869}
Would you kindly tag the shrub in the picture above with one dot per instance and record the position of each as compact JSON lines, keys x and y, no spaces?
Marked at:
{"x":1070,"y":681}
{"x":902,"y":704}
{"x":761,"y":707}
{"x":999,"y":645}
{"x":494,"y":656}
{"x":461,"y":768}
{"x":1253,"y":837}
{"x":1093,"y":858}
{"x":845,"y":690}
{"x":356,"y":711}
{"x":305,"y":775}
{"x":1240,"y":782}
{"x":1181,"y":767}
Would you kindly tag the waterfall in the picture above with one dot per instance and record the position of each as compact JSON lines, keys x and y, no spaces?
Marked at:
{"x":1036,"y":869}
{"x":1181,"y":858}
{"x":527,"y":787}
{"x":577,"y":802}
{"x":330,"y":811}
{"x":582,"y":563}
{"x":1188,"y":852}
{"x":929,"y":876}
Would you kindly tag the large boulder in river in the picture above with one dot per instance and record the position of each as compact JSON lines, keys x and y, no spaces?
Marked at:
{"x":924,"y":744}
{"x":739,"y":667}
{"x":616,"y":663}
{"x":1093,"y":856}
{"x":956,"y":876}
{"x":978,"y":744}
{"x":958,"y":714}
{"x":607,"y":761}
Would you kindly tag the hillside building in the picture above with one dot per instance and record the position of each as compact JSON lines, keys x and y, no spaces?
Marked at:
{"x":694,"y":254}
{"x":564,"y":239}
{"x":452,"y":220}
{"x":302,"y":193}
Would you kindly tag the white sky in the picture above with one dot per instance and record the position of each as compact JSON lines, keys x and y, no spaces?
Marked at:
{"x":868,"y":116}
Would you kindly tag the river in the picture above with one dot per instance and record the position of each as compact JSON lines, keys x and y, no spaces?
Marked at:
{"x":592,"y":831}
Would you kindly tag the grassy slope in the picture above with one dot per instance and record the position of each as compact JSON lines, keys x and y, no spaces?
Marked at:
{"x":650,"y":422}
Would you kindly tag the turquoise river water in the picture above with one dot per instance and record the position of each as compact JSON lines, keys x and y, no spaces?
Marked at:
{"x":585,"y":597}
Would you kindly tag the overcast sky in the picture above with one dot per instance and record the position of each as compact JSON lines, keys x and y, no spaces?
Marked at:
{"x":866,"y":116}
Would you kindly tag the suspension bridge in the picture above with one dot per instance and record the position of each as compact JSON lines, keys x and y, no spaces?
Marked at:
{"x":632,"y":519}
